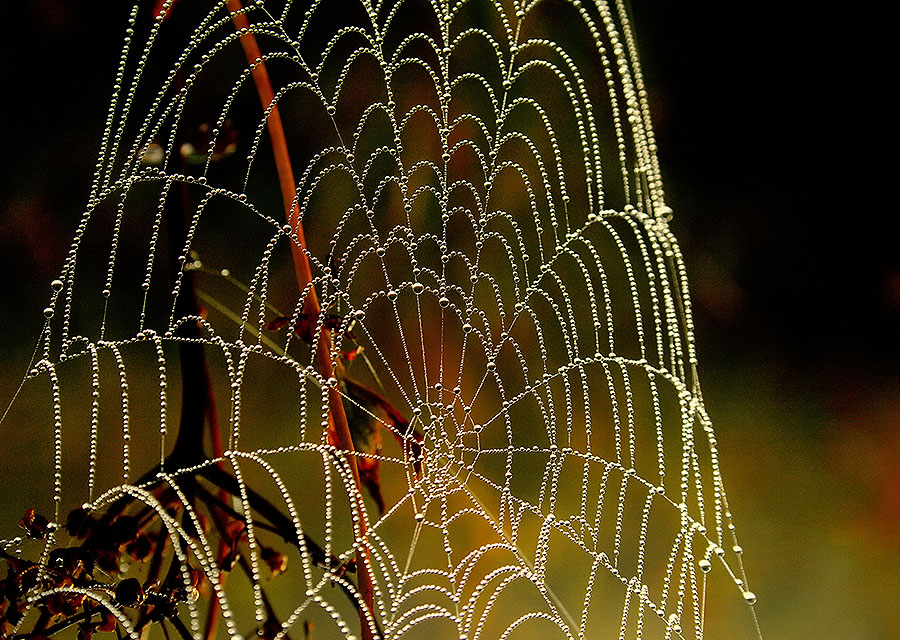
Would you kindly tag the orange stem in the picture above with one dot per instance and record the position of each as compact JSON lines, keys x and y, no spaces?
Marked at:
{"x":303,"y":274}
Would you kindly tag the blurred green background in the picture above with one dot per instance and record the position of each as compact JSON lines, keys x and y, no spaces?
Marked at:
{"x":762,"y":121}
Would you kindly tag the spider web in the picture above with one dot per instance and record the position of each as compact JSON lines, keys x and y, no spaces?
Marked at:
{"x":485,"y":223}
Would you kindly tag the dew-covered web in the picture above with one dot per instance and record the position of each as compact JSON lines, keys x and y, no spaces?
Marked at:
{"x":504,"y":315}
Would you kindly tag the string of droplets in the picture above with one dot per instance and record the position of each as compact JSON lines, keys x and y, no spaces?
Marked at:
{"x":579,"y":224}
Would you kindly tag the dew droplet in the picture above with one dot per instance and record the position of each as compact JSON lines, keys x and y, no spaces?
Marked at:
{"x":444,"y":302}
{"x":48,"y":312}
{"x":750,"y":597}
{"x":418,"y":288}
{"x":705,"y":565}
{"x":56,"y":285}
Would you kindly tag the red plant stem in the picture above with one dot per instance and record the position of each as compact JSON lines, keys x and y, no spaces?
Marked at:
{"x":303,"y":274}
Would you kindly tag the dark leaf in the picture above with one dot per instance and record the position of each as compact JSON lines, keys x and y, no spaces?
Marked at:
{"x":80,"y":523}
{"x":270,"y":628}
{"x":129,"y":592}
{"x":124,"y":530}
{"x":140,"y":548}
{"x":106,"y":559}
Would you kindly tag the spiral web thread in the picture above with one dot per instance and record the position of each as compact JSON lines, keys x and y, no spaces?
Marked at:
{"x":483,"y":211}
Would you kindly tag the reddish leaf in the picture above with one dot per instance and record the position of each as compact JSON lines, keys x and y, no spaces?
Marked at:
{"x":35,"y":525}
{"x":333,"y":323}
{"x":234,"y":531}
{"x":278,"y":323}
{"x":276,"y":561}
{"x":195,"y":577}
{"x":305,"y":325}
{"x":64,"y":604}
{"x":108,"y":622}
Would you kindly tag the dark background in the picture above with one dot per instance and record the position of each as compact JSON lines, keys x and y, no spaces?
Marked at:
{"x":769,"y":122}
